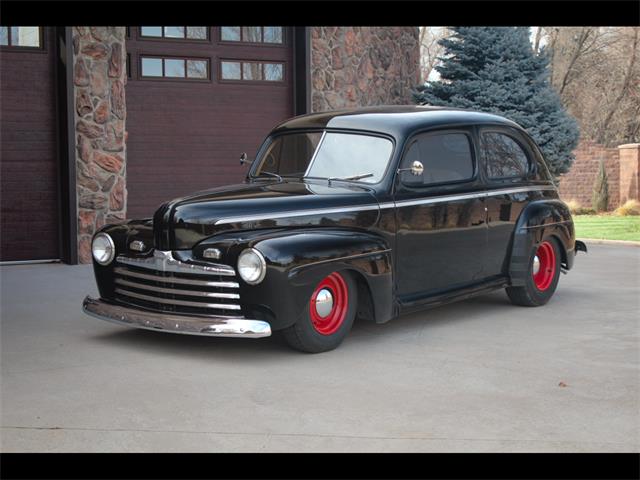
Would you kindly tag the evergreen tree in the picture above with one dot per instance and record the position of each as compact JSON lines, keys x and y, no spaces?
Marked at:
{"x":494,"y":69}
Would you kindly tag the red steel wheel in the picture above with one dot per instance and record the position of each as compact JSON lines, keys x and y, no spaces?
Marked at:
{"x":329,"y":304}
{"x":544,"y":266}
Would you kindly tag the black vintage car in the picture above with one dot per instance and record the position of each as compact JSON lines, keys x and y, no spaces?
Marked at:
{"x":368,"y":213}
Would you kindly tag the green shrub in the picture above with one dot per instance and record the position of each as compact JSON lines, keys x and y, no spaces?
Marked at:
{"x":600,"y":197}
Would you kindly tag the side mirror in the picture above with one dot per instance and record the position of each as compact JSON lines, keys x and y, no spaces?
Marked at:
{"x":416,"y":169}
{"x":243,"y":158}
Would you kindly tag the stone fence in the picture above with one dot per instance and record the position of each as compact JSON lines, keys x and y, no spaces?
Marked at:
{"x":622,"y":165}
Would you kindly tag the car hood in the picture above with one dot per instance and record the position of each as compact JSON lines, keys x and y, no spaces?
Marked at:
{"x":184,"y":222}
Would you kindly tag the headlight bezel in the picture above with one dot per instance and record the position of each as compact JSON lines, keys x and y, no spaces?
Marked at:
{"x":111,"y":247}
{"x":261,"y":262}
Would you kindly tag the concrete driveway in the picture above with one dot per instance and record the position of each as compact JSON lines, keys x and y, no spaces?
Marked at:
{"x":481,"y":375}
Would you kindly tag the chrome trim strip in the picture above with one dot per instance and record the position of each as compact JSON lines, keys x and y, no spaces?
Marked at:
{"x":362,"y":208}
{"x":348,"y":257}
{"x":171,"y":301}
{"x":175,"y":291}
{"x":464,"y":196}
{"x":563,"y":222}
{"x":208,"y":326}
{"x":184,"y":281}
{"x":295,"y":213}
{"x":165,"y":262}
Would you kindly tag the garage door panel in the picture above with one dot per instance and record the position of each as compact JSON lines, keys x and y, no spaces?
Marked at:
{"x":186,"y":135}
{"x":28,"y":154}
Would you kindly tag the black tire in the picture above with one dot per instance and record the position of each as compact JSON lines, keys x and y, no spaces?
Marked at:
{"x":304,"y":336}
{"x":529,"y":295}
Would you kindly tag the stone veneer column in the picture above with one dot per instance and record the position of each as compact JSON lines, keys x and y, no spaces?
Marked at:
{"x":629,"y":172}
{"x":99,"y":62}
{"x":361,"y":66}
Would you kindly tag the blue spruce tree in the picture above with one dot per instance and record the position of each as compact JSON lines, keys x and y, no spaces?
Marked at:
{"x":494,"y":69}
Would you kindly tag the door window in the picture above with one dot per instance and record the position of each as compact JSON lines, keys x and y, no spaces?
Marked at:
{"x":503,"y":156}
{"x":446,"y":158}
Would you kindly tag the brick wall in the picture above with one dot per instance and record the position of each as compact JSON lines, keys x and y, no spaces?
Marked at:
{"x":577,"y":184}
{"x":361,"y":66}
{"x":629,"y":172}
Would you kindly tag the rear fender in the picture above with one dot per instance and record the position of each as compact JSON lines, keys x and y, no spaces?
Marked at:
{"x":538,"y":220}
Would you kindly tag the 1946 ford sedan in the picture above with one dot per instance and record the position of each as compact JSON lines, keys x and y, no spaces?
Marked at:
{"x":367,"y":213}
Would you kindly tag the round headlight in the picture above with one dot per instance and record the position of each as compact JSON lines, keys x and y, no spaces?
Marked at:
{"x":103,"y":249}
{"x":251,"y":266}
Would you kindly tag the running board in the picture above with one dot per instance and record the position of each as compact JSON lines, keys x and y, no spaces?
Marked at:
{"x":427,"y":301}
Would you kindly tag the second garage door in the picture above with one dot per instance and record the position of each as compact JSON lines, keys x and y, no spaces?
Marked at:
{"x":196,"y":98}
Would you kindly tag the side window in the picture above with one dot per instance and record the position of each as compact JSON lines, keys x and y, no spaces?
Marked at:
{"x":504,"y":157}
{"x":446,"y":158}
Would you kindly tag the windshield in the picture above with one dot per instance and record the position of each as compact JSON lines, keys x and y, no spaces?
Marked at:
{"x":335,"y":155}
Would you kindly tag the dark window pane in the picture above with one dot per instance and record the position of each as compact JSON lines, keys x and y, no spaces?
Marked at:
{"x":273,"y":34}
{"x":25,"y":36}
{"x":174,"y":68}
{"x":197,"y":33}
{"x":197,"y":69}
{"x":230,"y":70}
{"x":230,"y":34}
{"x":446,"y":158}
{"x":273,"y":72}
{"x":151,"y":31}
{"x":152,"y":67}
{"x":174,"y":32}
{"x":4,"y":35}
{"x":252,"y":71}
{"x":503,"y":156}
{"x":252,"y":34}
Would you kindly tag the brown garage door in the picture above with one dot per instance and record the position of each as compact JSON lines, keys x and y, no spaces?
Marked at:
{"x":28,"y":161}
{"x":196,"y":98}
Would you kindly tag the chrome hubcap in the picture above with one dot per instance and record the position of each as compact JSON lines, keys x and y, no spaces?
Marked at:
{"x":324,"y":302}
{"x":536,"y":265}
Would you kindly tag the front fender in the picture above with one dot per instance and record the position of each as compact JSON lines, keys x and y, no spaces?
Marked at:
{"x":538,"y":220}
{"x":297,"y":260}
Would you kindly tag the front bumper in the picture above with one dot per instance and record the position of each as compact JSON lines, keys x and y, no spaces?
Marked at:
{"x":207,"y":326}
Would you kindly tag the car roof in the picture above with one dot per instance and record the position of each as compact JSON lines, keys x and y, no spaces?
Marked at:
{"x":394,"y":120}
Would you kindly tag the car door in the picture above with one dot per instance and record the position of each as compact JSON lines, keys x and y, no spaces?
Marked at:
{"x":509,"y":171}
{"x":440,"y":215}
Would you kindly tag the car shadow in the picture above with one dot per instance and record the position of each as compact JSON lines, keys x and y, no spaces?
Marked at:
{"x":274,"y":347}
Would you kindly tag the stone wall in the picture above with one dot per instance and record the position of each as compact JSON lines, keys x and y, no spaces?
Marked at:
{"x":100,"y":113}
{"x":360,"y":66}
{"x":621,"y":165}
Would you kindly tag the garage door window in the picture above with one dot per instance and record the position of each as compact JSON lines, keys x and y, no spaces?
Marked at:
{"x":23,"y":37}
{"x":173,"y":33}
{"x":175,"y":68}
{"x":266,"y":35}
{"x":251,"y":71}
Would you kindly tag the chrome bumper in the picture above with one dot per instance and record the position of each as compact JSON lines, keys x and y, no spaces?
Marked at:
{"x":208,"y":326}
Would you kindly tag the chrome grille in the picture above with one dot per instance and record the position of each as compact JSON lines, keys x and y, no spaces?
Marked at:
{"x":163,"y":283}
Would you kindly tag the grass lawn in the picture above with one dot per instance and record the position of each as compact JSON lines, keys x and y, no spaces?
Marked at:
{"x":607,"y":227}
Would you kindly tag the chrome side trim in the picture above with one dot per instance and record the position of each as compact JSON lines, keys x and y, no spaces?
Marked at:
{"x":208,"y":326}
{"x":175,"y":291}
{"x":296,"y":213}
{"x":183,"y":281}
{"x":464,"y":196}
{"x":362,"y":208}
{"x":563,"y":222}
{"x":348,"y":257}
{"x":165,"y":262}
{"x":171,"y":301}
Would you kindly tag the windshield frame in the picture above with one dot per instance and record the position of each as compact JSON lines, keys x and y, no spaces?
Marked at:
{"x":269,"y":140}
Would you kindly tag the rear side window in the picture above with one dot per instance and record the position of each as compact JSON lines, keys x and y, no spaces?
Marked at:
{"x":504,"y":157}
{"x":446,"y":158}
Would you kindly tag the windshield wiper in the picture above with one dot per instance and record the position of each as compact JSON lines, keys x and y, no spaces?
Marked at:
{"x":269,"y":173}
{"x":354,"y":177}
